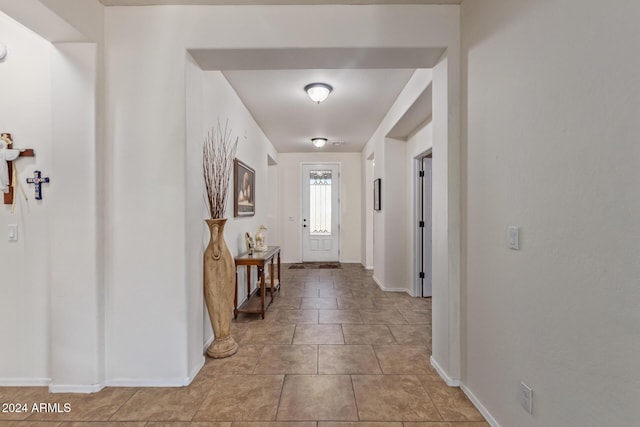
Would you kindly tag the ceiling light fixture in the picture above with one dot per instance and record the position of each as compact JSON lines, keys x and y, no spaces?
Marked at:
{"x":3,"y":51}
{"x":319,"y":142}
{"x":318,"y":92}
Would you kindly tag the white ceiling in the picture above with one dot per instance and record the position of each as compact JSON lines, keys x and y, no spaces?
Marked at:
{"x":270,"y":83}
{"x":267,"y":2}
{"x":366,"y":83}
{"x":358,"y":103}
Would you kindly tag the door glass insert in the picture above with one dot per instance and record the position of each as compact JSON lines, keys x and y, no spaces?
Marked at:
{"x":320,"y":203}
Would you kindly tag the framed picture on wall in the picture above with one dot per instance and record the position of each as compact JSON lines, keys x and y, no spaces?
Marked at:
{"x":244,"y":182}
{"x":377,"y":188}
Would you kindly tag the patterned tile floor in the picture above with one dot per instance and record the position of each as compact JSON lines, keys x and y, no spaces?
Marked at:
{"x":333,"y":351}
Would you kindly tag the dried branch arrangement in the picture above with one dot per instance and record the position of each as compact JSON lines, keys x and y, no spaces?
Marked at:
{"x":218,"y":152}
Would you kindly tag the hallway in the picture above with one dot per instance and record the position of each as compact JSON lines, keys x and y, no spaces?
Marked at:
{"x":333,"y":351}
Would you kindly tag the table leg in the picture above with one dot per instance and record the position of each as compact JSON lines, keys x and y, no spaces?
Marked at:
{"x":262,"y":288}
{"x":248,"y":281}
{"x":235,"y":299}
{"x":279,"y":279}
{"x":271,"y":278}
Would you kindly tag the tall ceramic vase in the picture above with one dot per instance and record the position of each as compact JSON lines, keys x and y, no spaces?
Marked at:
{"x":219,"y":290}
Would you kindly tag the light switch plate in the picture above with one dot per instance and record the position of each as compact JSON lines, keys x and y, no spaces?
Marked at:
{"x":526,"y":397}
{"x":513,"y":237}
{"x":13,"y":232}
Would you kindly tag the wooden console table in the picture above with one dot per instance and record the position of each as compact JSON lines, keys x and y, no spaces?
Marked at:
{"x":260,"y":260}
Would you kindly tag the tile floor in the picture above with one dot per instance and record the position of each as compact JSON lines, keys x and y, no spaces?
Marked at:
{"x":333,"y":351}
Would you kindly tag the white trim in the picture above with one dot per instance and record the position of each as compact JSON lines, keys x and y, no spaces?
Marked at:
{"x":447,"y":379}
{"x":196,"y":369}
{"x":407,"y":291}
{"x":24,"y":382}
{"x":411,"y":293}
{"x":149,"y":382}
{"x":476,"y":402}
{"x":76,"y":388}
{"x":367,"y":267}
{"x":94,"y":388}
{"x":210,"y":340}
{"x":375,"y":279}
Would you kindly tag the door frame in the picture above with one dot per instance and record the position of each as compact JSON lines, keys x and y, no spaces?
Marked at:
{"x":339,"y":207}
{"x":417,"y":206}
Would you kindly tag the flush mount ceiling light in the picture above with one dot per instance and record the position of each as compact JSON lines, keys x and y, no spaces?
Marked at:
{"x":319,"y":142}
{"x":318,"y":92}
{"x":3,"y":51}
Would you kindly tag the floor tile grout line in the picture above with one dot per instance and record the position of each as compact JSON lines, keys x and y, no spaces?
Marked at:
{"x":125,"y":402}
{"x":284,"y":379}
{"x":430,"y":398}
{"x":355,"y":399}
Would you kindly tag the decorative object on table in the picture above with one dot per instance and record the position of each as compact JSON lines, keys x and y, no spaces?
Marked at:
{"x":37,"y":180}
{"x":244,"y":194}
{"x":377,"y":184}
{"x":218,"y":152}
{"x":8,"y":174}
{"x":248,"y":240}
{"x":261,"y":239}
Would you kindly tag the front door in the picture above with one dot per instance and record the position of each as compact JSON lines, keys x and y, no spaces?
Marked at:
{"x":320,"y":212}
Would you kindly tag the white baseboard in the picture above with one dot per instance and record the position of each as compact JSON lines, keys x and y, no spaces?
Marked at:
{"x":75,"y":388}
{"x":123,"y":382}
{"x":148,"y":382}
{"x":485,"y":413}
{"x":377,"y":282}
{"x":208,"y":342}
{"x":25,"y":382}
{"x":472,"y":397}
{"x":195,"y":370}
{"x":375,"y":279}
{"x":447,"y":379}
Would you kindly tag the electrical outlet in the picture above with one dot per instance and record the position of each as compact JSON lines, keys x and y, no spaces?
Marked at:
{"x":526,"y":397}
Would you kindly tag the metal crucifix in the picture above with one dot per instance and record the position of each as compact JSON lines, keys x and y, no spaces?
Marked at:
{"x":8,"y":155}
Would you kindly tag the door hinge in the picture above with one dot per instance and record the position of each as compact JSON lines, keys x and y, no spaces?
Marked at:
{"x":421,"y":224}
{"x":421,"y":174}
{"x":421,"y":275}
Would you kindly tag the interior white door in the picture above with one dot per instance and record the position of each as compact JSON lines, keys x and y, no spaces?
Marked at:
{"x":320,"y":212}
{"x":427,"y":226}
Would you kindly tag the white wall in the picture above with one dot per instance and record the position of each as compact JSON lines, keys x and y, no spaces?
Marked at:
{"x":75,"y":223}
{"x":368,"y":212}
{"x":390,"y":261}
{"x":209,"y":98}
{"x":395,"y":204}
{"x":25,"y":112}
{"x":551,"y":146}
{"x":289,"y":168}
{"x":65,"y":114}
{"x":253,"y":148}
{"x":146,"y":127}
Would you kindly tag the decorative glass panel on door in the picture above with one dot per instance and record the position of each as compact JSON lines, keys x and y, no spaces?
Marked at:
{"x":320,"y":203}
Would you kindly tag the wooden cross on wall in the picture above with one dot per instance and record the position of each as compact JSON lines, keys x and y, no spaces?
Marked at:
{"x":28,"y":152}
